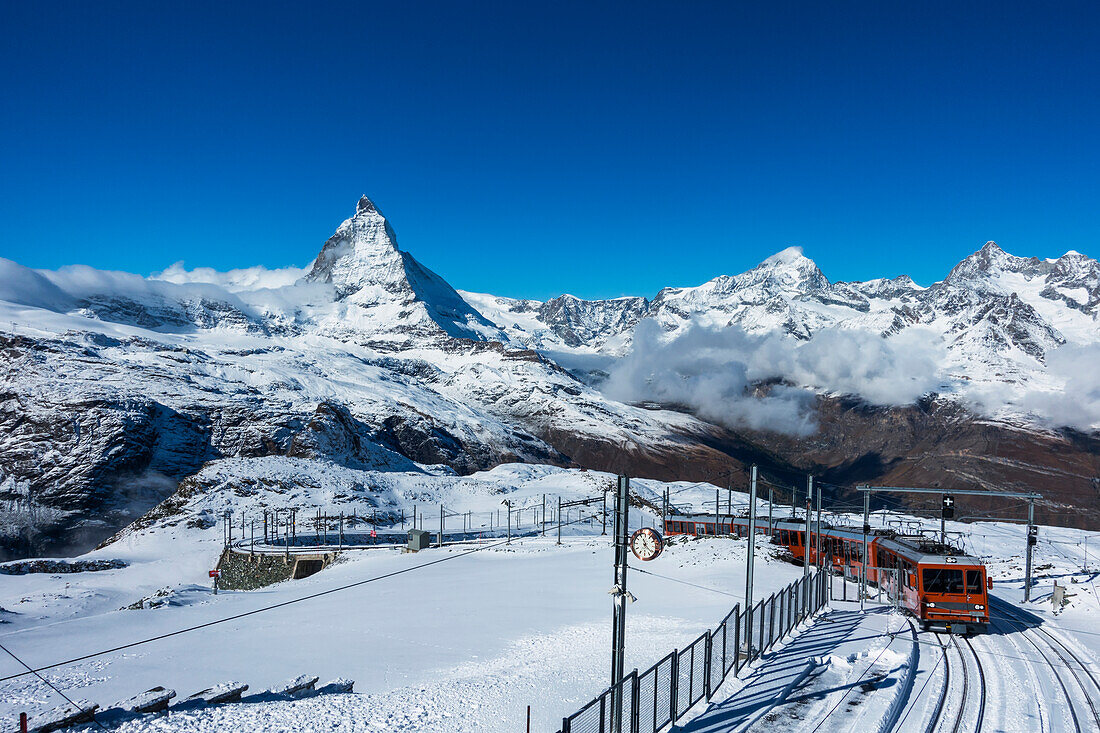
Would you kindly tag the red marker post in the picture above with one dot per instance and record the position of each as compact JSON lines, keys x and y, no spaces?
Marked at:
{"x":215,"y":574}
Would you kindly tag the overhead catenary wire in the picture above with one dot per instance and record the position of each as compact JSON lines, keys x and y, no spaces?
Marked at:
{"x":270,"y":607}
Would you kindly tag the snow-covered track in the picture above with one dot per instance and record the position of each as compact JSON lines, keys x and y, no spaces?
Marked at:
{"x":965,"y":688}
{"x":972,"y":695}
{"x":981,"y":684}
{"x":1057,"y":656}
{"x":941,"y":702}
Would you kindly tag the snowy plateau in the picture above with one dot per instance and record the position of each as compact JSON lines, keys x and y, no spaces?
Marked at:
{"x":137,"y":412}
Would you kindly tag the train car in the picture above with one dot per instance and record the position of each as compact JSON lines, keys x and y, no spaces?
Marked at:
{"x":939,"y":584}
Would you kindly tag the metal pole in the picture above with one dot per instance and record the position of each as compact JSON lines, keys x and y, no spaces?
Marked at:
{"x":604,"y":511}
{"x":943,"y":524}
{"x":717,"y":511}
{"x":252,"y":546}
{"x":749,"y":568}
{"x":509,"y":523}
{"x":1027,"y":572}
{"x":806,"y":544}
{"x":817,"y":542}
{"x":771,"y":497}
{"x":440,"y":542}
{"x":559,"y":520}
{"x":863,"y":548}
{"x":618,"y":632}
{"x":544,"y":515}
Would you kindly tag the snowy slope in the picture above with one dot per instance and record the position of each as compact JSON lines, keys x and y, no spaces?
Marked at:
{"x":463,"y":645}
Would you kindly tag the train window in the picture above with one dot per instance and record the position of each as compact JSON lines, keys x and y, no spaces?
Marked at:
{"x":783,"y":537}
{"x":943,"y":580}
{"x":973,"y":581}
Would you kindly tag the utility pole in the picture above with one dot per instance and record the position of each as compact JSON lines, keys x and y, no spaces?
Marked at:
{"x":817,"y":543}
{"x":717,"y":511}
{"x":749,"y":569}
{"x":439,"y":544}
{"x":559,"y":520}
{"x":1032,"y":540}
{"x":604,"y":511}
{"x":619,"y":592}
{"x":509,"y":522}
{"x":771,"y":502}
{"x":544,"y":515}
{"x":806,"y":544}
{"x":863,"y":549}
{"x":664,"y":510}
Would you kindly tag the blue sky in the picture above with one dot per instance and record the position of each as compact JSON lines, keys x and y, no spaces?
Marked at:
{"x":593,"y":148}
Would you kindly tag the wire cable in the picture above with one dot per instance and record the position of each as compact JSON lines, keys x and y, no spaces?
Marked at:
{"x":271,"y":607}
{"x":684,"y":582}
{"x":52,"y":686}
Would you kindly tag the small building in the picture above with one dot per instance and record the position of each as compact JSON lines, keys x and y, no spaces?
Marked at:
{"x":419,"y":539}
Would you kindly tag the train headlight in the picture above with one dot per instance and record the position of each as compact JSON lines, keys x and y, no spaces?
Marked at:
{"x":930,"y":604}
{"x":979,"y":607}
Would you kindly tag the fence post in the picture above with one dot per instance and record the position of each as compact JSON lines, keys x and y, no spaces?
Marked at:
{"x":761,"y":650}
{"x":737,"y":638}
{"x":708,"y":665}
{"x":725,"y":645}
{"x":23,"y":722}
{"x":565,"y":725}
{"x":771,"y":620}
{"x":635,"y":701}
{"x":675,"y":686}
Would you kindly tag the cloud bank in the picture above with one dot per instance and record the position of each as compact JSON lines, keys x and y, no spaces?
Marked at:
{"x":719,"y":372}
{"x":235,"y":281}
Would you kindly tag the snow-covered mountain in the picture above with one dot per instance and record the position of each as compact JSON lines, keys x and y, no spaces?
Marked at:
{"x":995,"y":317}
{"x":116,"y":386}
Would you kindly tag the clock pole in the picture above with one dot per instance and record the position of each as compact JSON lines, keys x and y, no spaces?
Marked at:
{"x":618,"y":631}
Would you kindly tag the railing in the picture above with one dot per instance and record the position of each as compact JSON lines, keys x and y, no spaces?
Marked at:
{"x":661,"y":695}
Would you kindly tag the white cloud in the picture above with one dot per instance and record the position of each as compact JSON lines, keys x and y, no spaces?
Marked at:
{"x":1077,"y":404}
{"x":718,"y":372}
{"x":240,"y":280}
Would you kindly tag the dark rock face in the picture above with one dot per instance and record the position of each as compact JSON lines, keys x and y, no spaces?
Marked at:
{"x":935,"y":444}
{"x":579,"y":322}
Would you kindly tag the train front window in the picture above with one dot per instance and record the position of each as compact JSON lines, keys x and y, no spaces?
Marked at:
{"x":973,"y":581}
{"x":943,"y":580}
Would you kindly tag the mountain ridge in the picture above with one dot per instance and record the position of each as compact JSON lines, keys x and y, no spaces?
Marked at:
{"x":116,"y":387}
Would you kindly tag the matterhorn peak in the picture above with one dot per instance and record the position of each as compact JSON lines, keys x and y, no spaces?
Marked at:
{"x":362,"y":251}
{"x":366,"y":206}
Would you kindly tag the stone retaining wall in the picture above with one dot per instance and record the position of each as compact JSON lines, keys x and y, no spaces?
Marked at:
{"x":241,"y":571}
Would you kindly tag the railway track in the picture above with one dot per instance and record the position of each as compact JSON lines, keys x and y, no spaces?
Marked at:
{"x":981,"y":684}
{"x":1057,"y":657}
{"x":967,"y":694}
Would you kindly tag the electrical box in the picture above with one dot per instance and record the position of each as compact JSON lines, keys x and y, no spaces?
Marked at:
{"x":419,"y":539}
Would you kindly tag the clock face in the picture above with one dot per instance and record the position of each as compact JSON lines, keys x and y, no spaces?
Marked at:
{"x":646,"y":544}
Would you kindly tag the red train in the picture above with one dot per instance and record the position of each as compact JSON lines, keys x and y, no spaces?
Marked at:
{"x":939,"y":584}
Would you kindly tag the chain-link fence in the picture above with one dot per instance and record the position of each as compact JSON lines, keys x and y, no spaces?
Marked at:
{"x":650,"y":701}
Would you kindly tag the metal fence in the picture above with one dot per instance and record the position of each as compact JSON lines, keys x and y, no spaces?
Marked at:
{"x":650,"y":701}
